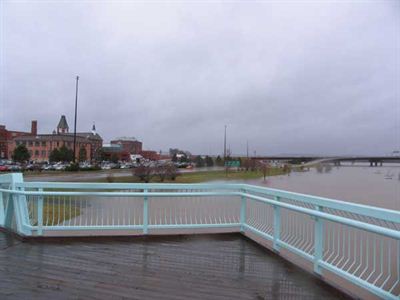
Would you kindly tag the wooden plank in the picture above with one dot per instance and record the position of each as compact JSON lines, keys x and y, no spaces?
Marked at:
{"x":220,"y":266}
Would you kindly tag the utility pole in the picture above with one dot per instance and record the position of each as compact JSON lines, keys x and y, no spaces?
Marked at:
{"x":76,"y":110}
{"x":225,"y":145}
{"x":247,"y":149}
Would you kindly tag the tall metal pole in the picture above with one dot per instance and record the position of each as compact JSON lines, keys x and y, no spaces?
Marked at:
{"x":76,"y":110}
{"x":247,"y":148}
{"x":225,"y":145}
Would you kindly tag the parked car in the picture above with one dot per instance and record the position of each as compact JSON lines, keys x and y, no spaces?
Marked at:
{"x":85,"y":165}
{"x":3,"y":168}
{"x":33,"y":167}
{"x":14,"y":168}
{"x":60,"y":166}
{"x":48,"y":167}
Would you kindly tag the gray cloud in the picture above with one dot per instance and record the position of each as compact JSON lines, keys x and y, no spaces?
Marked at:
{"x":289,"y":77}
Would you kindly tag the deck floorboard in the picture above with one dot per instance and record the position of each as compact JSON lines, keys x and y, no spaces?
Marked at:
{"x":214,"y":266}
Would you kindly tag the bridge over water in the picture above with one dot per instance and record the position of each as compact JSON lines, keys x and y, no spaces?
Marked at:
{"x":373,"y":160}
{"x":353,"y":247}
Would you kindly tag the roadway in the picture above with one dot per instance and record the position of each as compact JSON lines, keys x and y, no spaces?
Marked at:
{"x":89,"y":175}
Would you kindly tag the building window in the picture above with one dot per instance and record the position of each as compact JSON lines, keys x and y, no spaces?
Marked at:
{"x":43,"y":153}
{"x":30,"y":152}
{"x":58,"y":144}
{"x":69,"y":144}
{"x":30,"y":143}
{"x":24,"y":143}
{"x":37,"y":143}
{"x":44,"y":144}
{"x":36,"y":152}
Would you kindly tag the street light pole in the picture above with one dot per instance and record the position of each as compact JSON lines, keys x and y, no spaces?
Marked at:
{"x":225,"y":145}
{"x":76,"y":110}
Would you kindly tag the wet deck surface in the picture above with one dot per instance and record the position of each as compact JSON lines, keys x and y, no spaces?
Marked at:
{"x":221,"y":266}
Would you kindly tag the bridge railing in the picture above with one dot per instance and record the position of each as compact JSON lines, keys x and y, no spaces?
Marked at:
{"x":356,"y":242}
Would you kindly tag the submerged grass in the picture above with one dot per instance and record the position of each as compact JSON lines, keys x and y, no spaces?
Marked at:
{"x":197,"y":177}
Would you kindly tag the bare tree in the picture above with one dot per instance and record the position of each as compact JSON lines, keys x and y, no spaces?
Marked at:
{"x":264,"y":168}
{"x":171,"y":171}
{"x":160,"y":171}
{"x":110,"y":177}
{"x":287,"y":168}
{"x":144,"y":173}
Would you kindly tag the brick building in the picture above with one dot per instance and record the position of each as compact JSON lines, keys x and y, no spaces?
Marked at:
{"x":7,"y":136}
{"x":149,"y":154}
{"x":41,"y":145}
{"x":129,"y":144}
{"x":111,"y":151}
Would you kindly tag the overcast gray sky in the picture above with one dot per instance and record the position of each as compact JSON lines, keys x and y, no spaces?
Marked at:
{"x":289,"y":77}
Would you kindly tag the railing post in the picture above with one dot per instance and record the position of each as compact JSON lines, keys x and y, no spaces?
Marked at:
{"x":40,"y":213}
{"x":318,"y":242}
{"x":145,"y":212}
{"x":242,"y":212}
{"x":20,"y":206}
{"x":9,"y":210}
{"x":2,"y":214}
{"x":277,"y":226}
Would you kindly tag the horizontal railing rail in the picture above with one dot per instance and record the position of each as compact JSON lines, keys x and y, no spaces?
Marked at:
{"x":356,"y":242}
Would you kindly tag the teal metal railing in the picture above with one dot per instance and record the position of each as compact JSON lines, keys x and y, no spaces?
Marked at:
{"x":356,"y":242}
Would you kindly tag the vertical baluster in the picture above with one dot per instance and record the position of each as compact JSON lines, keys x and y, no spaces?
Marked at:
{"x":64,"y":209}
{"x":53,"y":211}
{"x":40,"y":213}
{"x":128,"y":202}
{"x":145,"y":212}
{"x":318,"y":242}
{"x":277,"y":226}
{"x":2,"y":211}
{"x":242,"y":212}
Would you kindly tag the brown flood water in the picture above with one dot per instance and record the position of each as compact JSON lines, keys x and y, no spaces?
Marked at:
{"x":353,"y":183}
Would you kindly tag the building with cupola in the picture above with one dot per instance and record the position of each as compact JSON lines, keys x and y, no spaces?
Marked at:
{"x":40,"y":146}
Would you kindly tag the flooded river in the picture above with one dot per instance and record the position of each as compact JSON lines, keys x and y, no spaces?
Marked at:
{"x":377,"y":186}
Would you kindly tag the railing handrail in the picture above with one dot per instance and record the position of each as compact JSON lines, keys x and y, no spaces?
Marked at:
{"x":337,"y":219}
{"x":314,"y":213}
{"x":120,"y":194}
{"x":360,"y":209}
{"x":126,"y":186}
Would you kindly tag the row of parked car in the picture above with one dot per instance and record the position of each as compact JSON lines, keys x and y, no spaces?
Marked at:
{"x":10,"y":166}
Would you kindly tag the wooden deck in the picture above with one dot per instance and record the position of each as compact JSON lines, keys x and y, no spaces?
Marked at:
{"x":220,"y":266}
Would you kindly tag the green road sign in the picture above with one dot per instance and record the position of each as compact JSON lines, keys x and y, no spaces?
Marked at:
{"x":232,"y":163}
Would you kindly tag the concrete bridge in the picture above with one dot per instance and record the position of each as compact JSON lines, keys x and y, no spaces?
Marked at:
{"x":373,"y":160}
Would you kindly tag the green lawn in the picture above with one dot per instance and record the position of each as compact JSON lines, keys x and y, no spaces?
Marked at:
{"x":197,"y":177}
{"x":55,"y":213}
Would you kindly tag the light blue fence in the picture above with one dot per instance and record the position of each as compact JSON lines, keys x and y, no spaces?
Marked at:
{"x":354,"y":242}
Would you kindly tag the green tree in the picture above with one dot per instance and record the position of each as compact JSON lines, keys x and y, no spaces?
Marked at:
{"x":82,"y":154}
{"x":54,"y":155}
{"x":100,"y":155}
{"x":66,"y":154}
{"x":114,"y":158}
{"x":62,"y":154}
{"x":21,"y":154}
{"x":219,"y":161}
{"x":209,"y":161}
{"x":199,"y":161}
{"x":174,"y":158}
